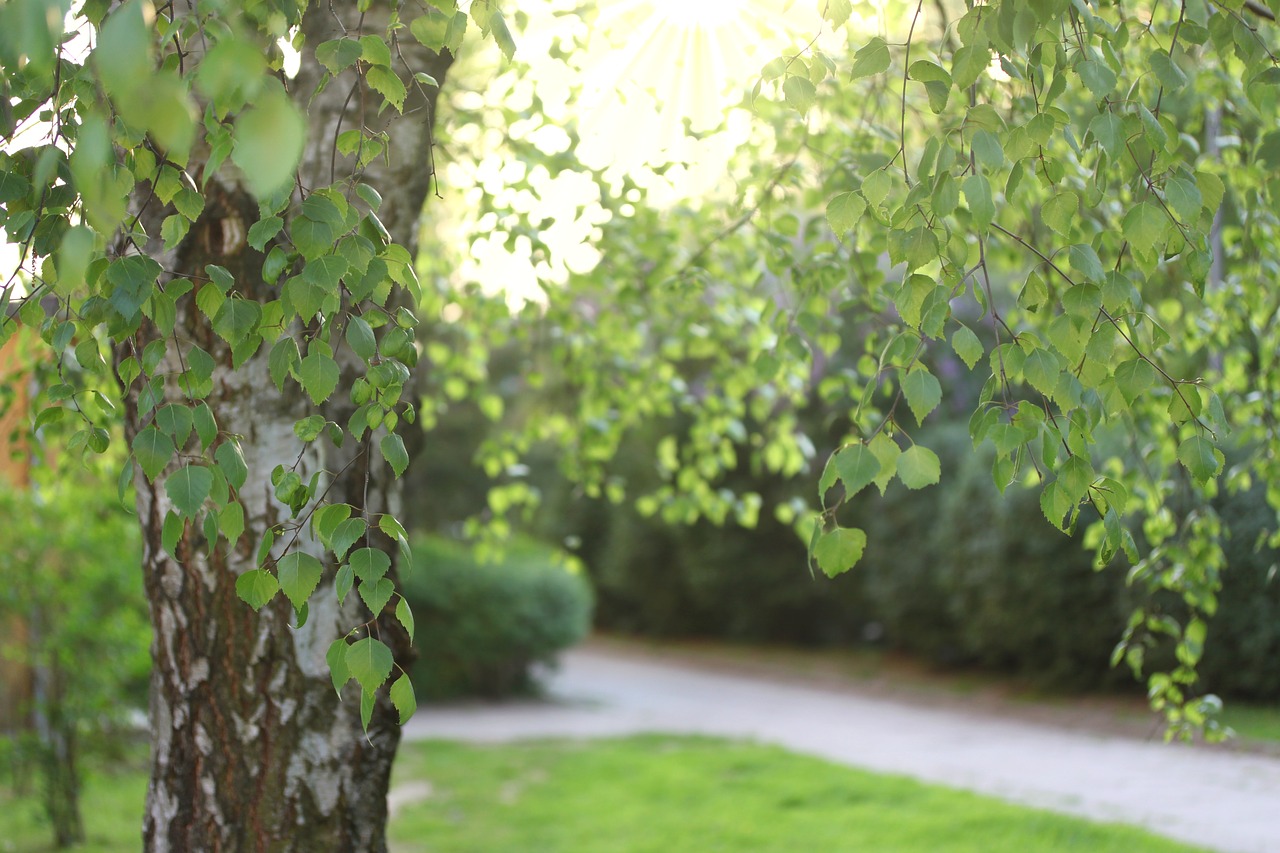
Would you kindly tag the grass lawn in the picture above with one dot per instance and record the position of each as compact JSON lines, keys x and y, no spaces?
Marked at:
{"x":667,"y":794}
{"x":1255,"y":722}
{"x":651,"y":793}
{"x":112,"y":809}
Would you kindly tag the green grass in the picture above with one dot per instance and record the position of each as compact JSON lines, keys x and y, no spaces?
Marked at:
{"x":668,"y":794}
{"x":1253,"y":722}
{"x":652,"y":793}
{"x":110,"y":803}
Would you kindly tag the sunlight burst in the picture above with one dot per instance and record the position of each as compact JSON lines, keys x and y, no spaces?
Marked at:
{"x":657,"y":69}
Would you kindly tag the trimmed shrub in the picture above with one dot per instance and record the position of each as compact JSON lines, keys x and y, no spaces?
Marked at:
{"x":482,"y":626}
{"x":1027,"y":598}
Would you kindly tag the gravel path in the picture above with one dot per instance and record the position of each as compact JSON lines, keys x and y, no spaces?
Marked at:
{"x":1222,"y":799}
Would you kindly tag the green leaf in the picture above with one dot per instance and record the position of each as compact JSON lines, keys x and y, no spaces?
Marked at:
{"x":918,"y":466}
{"x":977,"y":194}
{"x":886,"y":450}
{"x":1108,"y":129}
{"x":173,"y":230}
{"x":231,"y":71}
{"x":968,"y":64}
{"x":369,"y":661}
{"x":838,"y":550}
{"x":1201,"y":458}
{"x":231,"y":522}
{"x":342,"y":582}
{"x":74,"y":255}
{"x":392,"y":447}
{"x":1171,"y":77}
{"x":1042,"y":371}
{"x":837,"y":12}
{"x":405,"y":616}
{"x":231,"y":462}
{"x":206,"y":425}
{"x":1157,"y":137}
{"x":1055,"y":505}
{"x":1184,"y":197}
{"x":262,"y":231}
{"x":430,"y":27}
{"x":14,"y":186}
{"x":386,"y":83}
{"x":844,"y":211}
{"x":374,"y":50}
{"x":318,"y":375}
{"x":967,"y":346}
{"x":123,"y":52}
{"x":153,"y":450}
{"x":237,"y":319}
{"x":188,"y":488}
{"x":309,"y":429}
{"x":456,"y":31}
{"x":376,"y":594}
{"x":502,"y":34}
{"x":871,"y":59}
{"x":325,"y":520}
{"x":257,"y":587}
{"x":284,"y":358}
{"x":923,"y":392}
{"x":936,"y":80}
{"x":856,"y":466}
{"x":345,"y":535}
{"x":391,"y":526}
{"x":268,"y":142}
{"x":1086,"y":261}
{"x":176,"y":420}
{"x":131,"y":279}
{"x":1075,"y":477}
{"x":1059,"y":212}
{"x":336,"y":657}
{"x":876,"y":186}
{"x":369,"y":564}
{"x":1134,"y":377}
{"x":946,"y":195}
{"x":403,"y":699}
{"x":299,"y":575}
{"x":1145,"y":226}
{"x":189,"y":202}
{"x":171,"y":532}
{"x":1097,"y":76}
{"x":360,"y":337}
{"x":987,"y":148}
{"x":799,"y":92}
{"x":338,"y":54}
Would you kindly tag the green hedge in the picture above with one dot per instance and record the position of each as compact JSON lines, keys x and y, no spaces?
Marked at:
{"x":481,"y":627}
{"x":1242,"y":653}
{"x":658,"y":579}
{"x":988,"y":580}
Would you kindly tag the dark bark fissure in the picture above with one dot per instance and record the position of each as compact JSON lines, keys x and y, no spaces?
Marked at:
{"x":251,"y":748}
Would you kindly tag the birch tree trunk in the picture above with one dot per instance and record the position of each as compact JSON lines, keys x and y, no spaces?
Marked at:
{"x":252,"y":750}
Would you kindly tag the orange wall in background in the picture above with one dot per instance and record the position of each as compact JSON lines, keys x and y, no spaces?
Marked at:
{"x":14,"y":420}
{"x":15,"y":677}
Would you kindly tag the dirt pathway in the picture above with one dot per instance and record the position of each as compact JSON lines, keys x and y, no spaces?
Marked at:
{"x":1219,"y":798}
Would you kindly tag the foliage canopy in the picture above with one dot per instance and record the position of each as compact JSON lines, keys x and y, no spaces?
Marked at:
{"x":1075,"y":200}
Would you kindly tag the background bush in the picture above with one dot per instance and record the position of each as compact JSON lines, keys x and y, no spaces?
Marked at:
{"x":482,"y":626}
{"x":660,"y":579}
{"x":956,"y":574}
{"x":1242,"y":654}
